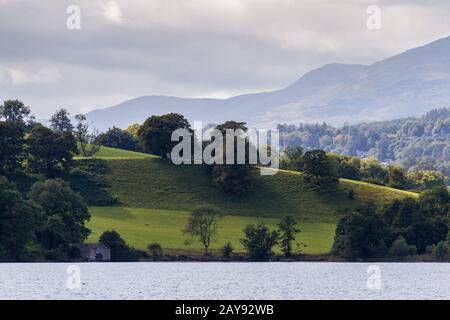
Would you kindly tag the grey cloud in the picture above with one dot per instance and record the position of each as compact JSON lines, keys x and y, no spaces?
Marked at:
{"x":193,"y":48}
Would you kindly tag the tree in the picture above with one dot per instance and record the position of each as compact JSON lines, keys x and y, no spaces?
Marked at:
{"x":372,"y":171}
{"x":15,"y":111}
{"x":362,"y":234}
{"x":60,"y":121}
{"x":400,"y":248}
{"x":397,"y":177}
{"x":49,"y":152}
{"x":400,"y":214}
{"x":234,"y":178}
{"x":441,"y":251}
{"x":426,"y":233}
{"x":155,"y":249}
{"x":348,"y":167}
{"x":287,"y":233}
{"x":227,"y":250}
{"x":320,"y":170}
{"x":18,"y":220}
{"x":203,"y":224}
{"x":426,"y":179}
{"x":65,"y":215}
{"x":11,"y":146}
{"x":436,"y":201}
{"x":259,"y":241}
{"x":87,"y":141}
{"x":120,"y":251}
{"x":292,"y":159}
{"x":292,"y":153}
{"x":118,"y":138}
{"x":133,"y":130}
{"x":156,"y":133}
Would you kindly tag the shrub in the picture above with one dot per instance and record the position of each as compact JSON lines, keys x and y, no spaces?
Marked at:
{"x":227,"y":250}
{"x":399,"y":248}
{"x":120,"y":139}
{"x":441,"y":250}
{"x":155,"y":249}
{"x":120,"y":251}
{"x":259,"y":241}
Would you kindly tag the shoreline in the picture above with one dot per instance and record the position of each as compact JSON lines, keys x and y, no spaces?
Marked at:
{"x":425,"y":258}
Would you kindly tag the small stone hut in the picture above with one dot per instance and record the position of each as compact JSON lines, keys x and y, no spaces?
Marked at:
{"x":95,"y":252}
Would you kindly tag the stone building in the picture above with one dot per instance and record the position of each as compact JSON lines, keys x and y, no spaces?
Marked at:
{"x":95,"y":252}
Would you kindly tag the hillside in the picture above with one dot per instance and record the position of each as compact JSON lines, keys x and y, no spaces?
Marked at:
{"x":420,"y":143}
{"x":110,"y":153}
{"x":157,"y":184}
{"x":156,"y":198}
{"x":407,"y":84}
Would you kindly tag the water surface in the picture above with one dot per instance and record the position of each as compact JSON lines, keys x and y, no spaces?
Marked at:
{"x":303,"y":280}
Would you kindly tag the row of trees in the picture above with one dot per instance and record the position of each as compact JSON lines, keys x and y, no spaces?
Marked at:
{"x":44,"y":218}
{"x":48,"y":222}
{"x":25,"y":144}
{"x":318,"y":167}
{"x":332,"y":166}
{"x":414,"y":224}
{"x":259,"y":240}
{"x":155,"y":137}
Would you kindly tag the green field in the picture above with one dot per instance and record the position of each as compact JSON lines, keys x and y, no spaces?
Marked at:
{"x":165,"y":194}
{"x":112,"y":153}
{"x":157,"y":184}
{"x":141,"y":227}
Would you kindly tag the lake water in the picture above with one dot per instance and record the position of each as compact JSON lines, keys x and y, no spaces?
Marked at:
{"x":225,"y":281}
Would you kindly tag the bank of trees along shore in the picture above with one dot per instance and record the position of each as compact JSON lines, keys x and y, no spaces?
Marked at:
{"x":44,"y":192}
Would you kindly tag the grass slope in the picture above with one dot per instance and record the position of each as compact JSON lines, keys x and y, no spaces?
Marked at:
{"x":141,"y":227}
{"x":156,"y":184}
{"x":158,"y":196}
{"x":112,"y":153}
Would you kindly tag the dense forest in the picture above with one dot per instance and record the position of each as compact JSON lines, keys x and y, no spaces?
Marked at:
{"x":415,"y":143}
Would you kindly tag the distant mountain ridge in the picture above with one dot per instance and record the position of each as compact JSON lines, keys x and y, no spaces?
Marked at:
{"x":409,"y":84}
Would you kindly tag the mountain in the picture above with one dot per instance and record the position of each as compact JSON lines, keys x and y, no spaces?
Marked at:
{"x":408,"y":84}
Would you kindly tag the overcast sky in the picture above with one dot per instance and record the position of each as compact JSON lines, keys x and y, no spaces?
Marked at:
{"x":192,"y":48}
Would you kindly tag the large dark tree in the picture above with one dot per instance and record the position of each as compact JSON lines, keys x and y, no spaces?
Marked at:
{"x":320,"y":169}
{"x":65,"y":215}
{"x":156,"y":133}
{"x":233,"y":178}
{"x":16,"y":111}
{"x":11,"y":146}
{"x":60,"y":121}
{"x":259,"y":241}
{"x":50,"y":152}
{"x":362,"y":234}
{"x":18,"y":220}
{"x":427,"y":232}
{"x":120,"y":139}
{"x":436,"y":202}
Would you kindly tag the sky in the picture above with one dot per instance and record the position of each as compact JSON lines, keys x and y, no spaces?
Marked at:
{"x":192,"y":48}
